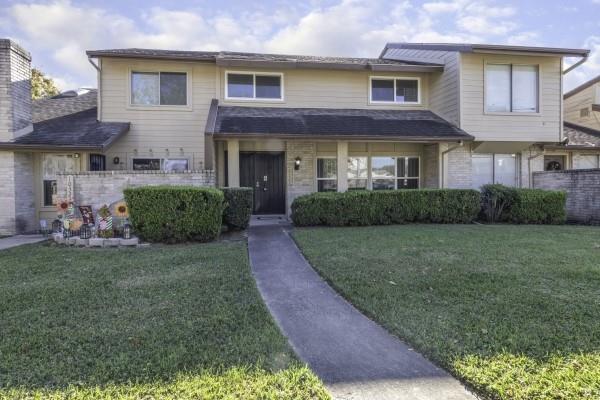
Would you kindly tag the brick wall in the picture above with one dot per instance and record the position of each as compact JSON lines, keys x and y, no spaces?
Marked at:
{"x":106,"y":187}
{"x":457,"y":166}
{"x":300,"y":181}
{"x":430,"y":163}
{"x":15,"y":90}
{"x":583,"y":191}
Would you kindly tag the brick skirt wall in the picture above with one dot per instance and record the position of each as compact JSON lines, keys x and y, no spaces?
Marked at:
{"x":583,"y":192}
{"x":106,"y":187}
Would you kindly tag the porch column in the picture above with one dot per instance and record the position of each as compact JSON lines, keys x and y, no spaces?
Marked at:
{"x":233,"y":163}
{"x":342,"y":166}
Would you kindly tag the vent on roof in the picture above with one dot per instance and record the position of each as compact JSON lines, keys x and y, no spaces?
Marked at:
{"x":71,"y":93}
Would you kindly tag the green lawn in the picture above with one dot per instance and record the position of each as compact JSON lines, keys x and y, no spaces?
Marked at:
{"x":514,"y":311}
{"x":160,"y":323}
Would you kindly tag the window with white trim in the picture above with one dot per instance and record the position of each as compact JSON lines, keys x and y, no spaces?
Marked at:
{"x":494,"y":168}
{"x":511,"y":88}
{"x":389,"y":173}
{"x":326,"y":174}
{"x":253,"y":86}
{"x":358,"y":173}
{"x":395,"y":90}
{"x":158,"y":88}
{"x":160,"y":164}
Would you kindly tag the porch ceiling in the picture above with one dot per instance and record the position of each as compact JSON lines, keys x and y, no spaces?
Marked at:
{"x":409,"y":125}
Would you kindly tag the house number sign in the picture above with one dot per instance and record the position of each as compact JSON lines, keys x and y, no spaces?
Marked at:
{"x":70,"y":194}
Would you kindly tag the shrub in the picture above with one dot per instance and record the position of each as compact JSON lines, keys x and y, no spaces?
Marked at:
{"x":238,"y":207}
{"x":174,"y":214}
{"x":495,"y":201}
{"x":537,"y":206}
{"x":386,"y":207}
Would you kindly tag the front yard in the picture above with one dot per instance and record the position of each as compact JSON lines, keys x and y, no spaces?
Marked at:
{"x":514,"y":311}
{"x":162,"y":322}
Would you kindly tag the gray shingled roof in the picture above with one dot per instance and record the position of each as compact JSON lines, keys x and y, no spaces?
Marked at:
{"x":475,"y":47}
{"x":80,"y":130}
{"x":579,"y":135}
{"x":227,"y":58}
{"x":320,"y":122}
{"x":52,"y":108}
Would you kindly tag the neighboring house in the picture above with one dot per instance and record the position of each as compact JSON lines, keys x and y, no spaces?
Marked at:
{"x":419,"y":116}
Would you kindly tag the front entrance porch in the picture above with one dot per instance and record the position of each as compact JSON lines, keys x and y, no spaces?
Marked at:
{"x":265,"y":172}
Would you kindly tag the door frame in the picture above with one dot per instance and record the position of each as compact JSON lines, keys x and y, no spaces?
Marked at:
{"x":284,"y":175}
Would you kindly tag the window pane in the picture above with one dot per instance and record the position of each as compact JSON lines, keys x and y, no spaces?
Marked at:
{"x":413,"y":167}
{"x":525,"y":88}
{"x":240,"y":85}
{"x":408,"y":183}
{"x":268,"y":87}
{"x":382,"y":89}
{"x":497,"y":88}
{"x":357,"y":184}
{"x":407,"y":90}
{"x":50,"y":193}
{"x":146,"y":164}
{"x":483,"y":169}
{"x":587,"y":161}
{"x":401,"y":161}
{"x":327,"y":185}
{"x":173,"y":88}
{"x":327,"y":168}
{"x":383,"y":167}
{"x":384,"y":184}
{"x":144,"y":88}
{"x":357,"y":167}
{"x":176,"y":165}
{"x":506,"y":169}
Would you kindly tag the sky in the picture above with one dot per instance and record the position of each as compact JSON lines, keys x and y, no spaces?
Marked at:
{"x":57,"y":32}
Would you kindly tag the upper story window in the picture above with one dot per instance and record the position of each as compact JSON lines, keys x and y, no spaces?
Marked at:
{"x":395,"y":90}
{"x":511,"y":88}
{"x":158,"y":88}
{"x":253,"y":86}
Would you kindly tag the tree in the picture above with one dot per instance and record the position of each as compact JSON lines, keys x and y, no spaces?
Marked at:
{"x":41,"y":85}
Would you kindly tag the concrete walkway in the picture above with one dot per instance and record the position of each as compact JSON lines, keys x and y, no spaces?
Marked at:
{"x":18,"y":240}
{"x":355,"y":357}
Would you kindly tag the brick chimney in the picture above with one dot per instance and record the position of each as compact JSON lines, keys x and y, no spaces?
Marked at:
{"x":15,"y":91}
{"x":17,"y":213}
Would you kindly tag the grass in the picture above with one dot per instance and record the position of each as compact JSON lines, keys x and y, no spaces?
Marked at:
{"x":161,"y":323}
{"x":514,"y":311}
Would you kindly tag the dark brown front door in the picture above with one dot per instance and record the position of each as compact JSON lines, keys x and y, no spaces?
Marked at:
{"x":265,"y":173}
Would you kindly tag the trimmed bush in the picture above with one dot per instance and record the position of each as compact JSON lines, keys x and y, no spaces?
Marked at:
{"x":496,"y":200}
{"x":386,"y":207}
{"x":238,"y":207}
{"x":173,"y":214}
{"x":537,"y":206}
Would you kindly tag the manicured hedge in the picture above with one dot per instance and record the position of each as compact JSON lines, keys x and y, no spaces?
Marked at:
{"x":501,"y":203}
{"x":239,"y":204}
{"x":173,"y":214}
{"x":386,"y":207}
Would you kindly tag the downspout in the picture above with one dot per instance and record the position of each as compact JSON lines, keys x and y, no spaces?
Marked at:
{"x":577,"y":64}
{"x":99,"y":81}
{"x":443,"y":174}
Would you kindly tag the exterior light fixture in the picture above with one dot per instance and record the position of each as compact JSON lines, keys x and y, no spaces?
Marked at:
{"x":297,"y":163}
{"x":85,"y":232}
{"x":56,"y":226}
{"x":127,"y":231}
{"x":76,"y":155}
{"x":116,"y":160}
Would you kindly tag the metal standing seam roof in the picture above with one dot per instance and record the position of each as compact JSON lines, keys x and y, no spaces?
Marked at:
{"x":80,"y":130}
{"x":409,"y":125}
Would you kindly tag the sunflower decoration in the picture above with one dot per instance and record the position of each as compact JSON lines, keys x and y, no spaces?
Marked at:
{"x":63,"y":206}
{"x":121,"y":209}
{"x":76,"y":224}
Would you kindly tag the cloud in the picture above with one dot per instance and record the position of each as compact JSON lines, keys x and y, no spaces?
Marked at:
{"x":587,"y":71}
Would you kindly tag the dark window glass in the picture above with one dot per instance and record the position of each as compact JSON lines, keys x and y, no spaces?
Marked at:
{"x":173,"y":88}
{"x":268,"y":87}
{"x":382,"y":90}
{"x":97,"y":162}
{"x":327,"y":185}
{"x":408,"y":183}
{"x":401,"y":161}
{"x":407,"y":91}
{"x":49,"y":192}
{"x":413,"y":167}
{"x":383,"y":184}
{"x":146,"y":164}
{"x":240,"y":85}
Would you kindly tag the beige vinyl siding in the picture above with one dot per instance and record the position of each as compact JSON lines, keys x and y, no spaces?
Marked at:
{"x":326,"y":89}
{"x":157,"y":132}
{"x":583,"y":99}
{"x":541,"y":127}
{"x":443,"y":86}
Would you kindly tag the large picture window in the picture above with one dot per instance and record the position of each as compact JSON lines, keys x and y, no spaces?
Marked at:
{"x":158,"y":88}
{"x":395,"y":90}
{"x":253,"y":86}
{"x":494,"y":168}
{"x":358,"y":173}
{"x":52,"y":165}
{"x":327,"y":174}
{"x":511,"y":88}
{"x":388,"y":173}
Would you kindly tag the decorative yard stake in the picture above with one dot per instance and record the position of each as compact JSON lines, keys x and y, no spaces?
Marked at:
{"x":105,"y":222}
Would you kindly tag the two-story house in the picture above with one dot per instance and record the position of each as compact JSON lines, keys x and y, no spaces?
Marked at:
{"x":418,"y":116}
